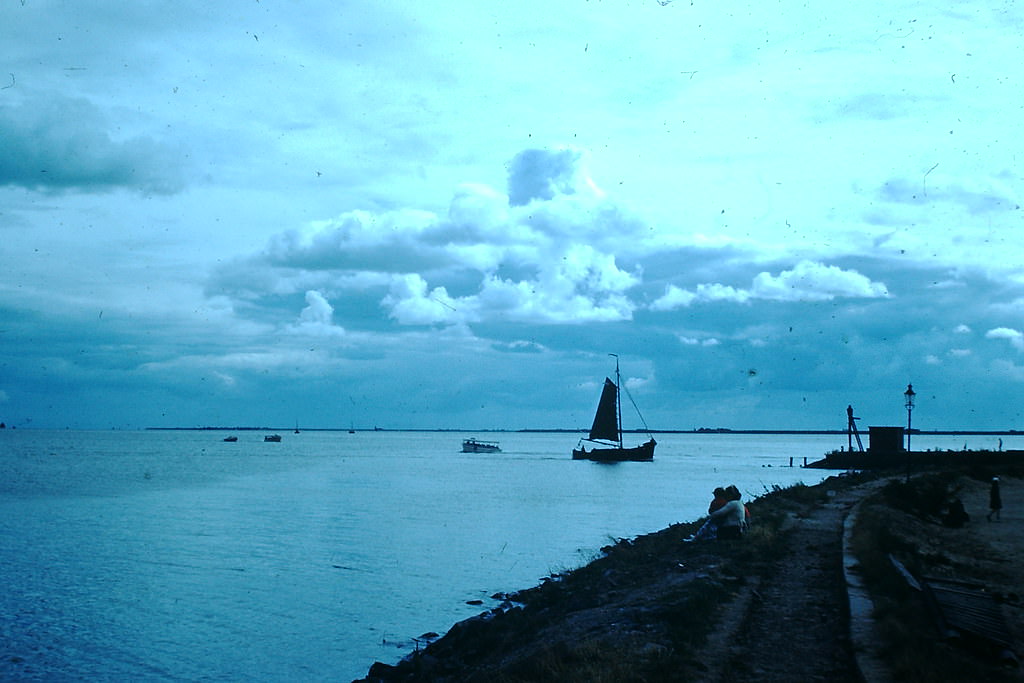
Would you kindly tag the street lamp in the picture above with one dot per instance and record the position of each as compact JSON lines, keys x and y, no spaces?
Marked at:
{"x":909,"y":393}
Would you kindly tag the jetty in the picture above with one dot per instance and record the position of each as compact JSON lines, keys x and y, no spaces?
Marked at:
{"x":889,"y":448}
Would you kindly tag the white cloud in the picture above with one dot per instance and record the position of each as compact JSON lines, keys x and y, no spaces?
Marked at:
{"x":1015,"y":337}
{"x":317,"y":311}
{"x":694,"y":341}
{"x":812,"y":281}
{"x":673,"y":298}
{"x":409,"y":303}
{"x":479,"y":208}
{"x":317,"y":318}
{"x":807,"y":281}
{"x":718,"y":292}
{"x":962,"y":329}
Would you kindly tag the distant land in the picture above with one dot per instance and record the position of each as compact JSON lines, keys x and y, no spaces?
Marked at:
{"x":699,"y":430}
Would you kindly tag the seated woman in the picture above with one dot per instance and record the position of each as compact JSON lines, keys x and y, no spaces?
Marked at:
{"x":731,"y":518}
{"x":727,"y":517}
{"x":709,"y":530}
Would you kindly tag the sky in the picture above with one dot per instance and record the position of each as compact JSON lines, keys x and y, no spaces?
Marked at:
{"x":448,"y":215}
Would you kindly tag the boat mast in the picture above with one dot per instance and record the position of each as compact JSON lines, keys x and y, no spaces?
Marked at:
{"x":618,"y":403}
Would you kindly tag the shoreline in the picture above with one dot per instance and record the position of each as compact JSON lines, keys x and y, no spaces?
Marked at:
{"x":655,"y":608}
{"x":698,"y":431}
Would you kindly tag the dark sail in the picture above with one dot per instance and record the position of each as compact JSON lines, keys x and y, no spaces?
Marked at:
{"x":606,"y":421}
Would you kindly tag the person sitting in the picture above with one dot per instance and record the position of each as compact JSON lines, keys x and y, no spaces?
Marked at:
{"x":731,"y":517}
{"x":720,"y":498}
{"x":727,"y":517}
{"x":733,"y":493}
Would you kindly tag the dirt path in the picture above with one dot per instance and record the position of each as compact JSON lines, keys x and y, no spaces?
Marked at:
{"x":792,"y":623}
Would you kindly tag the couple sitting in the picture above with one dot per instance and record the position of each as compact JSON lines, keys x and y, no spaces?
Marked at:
{"x":727,"y":517}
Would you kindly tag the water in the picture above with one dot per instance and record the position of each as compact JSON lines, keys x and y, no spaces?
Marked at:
{"x":176,"y":556}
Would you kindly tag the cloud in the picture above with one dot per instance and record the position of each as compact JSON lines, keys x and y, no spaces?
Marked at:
{"x":542,"y":174}
{"x":1015,"y":337}
{"x":811,"y":281}
{"x":693,"y":341}
{"x":673,"y":298}
{"x":409,"y":303}
{"x":981,"y":198}
{"x":551,"y":262}
{"x":718,"y":292}
{"x":59,"y":143}
{"x":519,"y":346}
{"x":317,"y":311}
{"x":317,"y":318}
{"x":807,"y":281}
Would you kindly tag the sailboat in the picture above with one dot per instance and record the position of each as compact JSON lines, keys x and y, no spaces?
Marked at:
{"x":607,"y":430}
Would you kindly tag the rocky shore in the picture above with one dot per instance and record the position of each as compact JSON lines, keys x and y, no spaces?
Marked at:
{"x":772,"y":606}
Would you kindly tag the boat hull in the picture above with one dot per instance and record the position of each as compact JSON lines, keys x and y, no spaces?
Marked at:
{"x":641,"y":453}
{"x":474,"y":446}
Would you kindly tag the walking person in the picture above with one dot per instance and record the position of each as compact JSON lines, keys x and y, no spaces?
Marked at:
{"x":995,"y":500}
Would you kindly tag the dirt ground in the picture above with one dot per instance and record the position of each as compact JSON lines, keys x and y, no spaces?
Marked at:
{"x":796,"y":626}
{"x":791,"y":625}
{"x":990,"y":553}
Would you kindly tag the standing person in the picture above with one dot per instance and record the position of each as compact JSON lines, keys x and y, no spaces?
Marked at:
{"x":995,"y":500}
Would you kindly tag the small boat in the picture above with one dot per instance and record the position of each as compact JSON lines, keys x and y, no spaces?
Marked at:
{"x":477,"y":446}
{"x":231,"y":439}
{"x":607,"y":430}
{"x":272,"y":437}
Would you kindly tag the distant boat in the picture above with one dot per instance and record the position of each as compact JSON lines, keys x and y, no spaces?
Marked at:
{"x":231,"y":439}
{"x":272,"y":437}
{"x":296,"y":426}
{"x":607,"y":430}
{"x":477,"y":446}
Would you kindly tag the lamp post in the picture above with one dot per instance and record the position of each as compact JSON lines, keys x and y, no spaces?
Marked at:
{"x":909,"y":394}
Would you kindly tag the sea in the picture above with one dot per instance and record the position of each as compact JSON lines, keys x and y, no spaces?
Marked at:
{"x":176,"y":556}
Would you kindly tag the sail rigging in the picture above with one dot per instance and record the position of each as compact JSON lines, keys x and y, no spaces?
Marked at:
{"x":607,"y":427}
